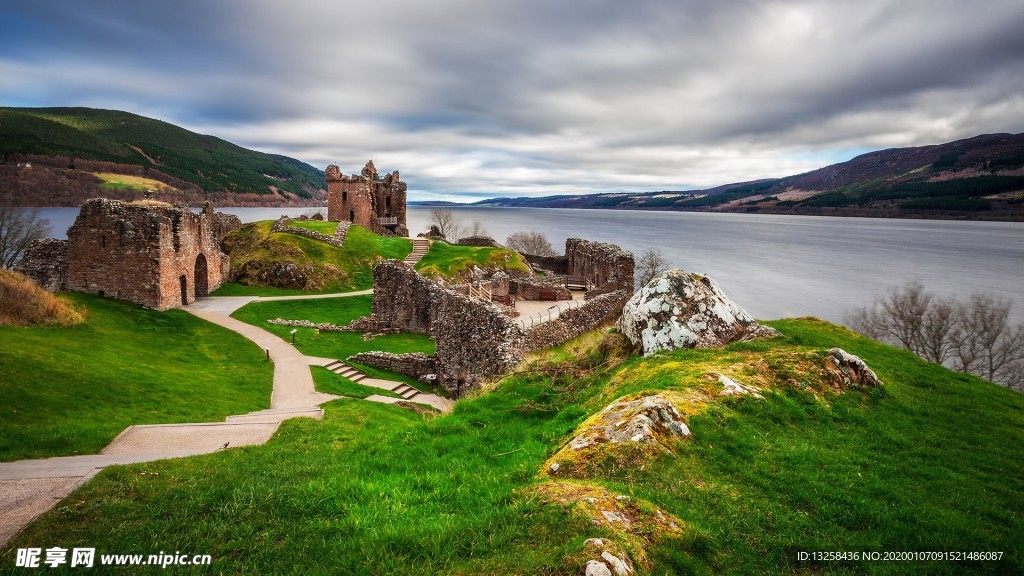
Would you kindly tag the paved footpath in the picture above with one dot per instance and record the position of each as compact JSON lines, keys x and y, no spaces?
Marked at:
{"x":30,"y":487}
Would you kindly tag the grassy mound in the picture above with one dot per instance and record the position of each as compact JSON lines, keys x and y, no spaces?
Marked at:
{"x":24,"y":303}
{"x":932,"y":461}
{"x":325,"y":227}
{"x":71,"y":390}
{"x":455,"y":262}
{"x":313,"y":267}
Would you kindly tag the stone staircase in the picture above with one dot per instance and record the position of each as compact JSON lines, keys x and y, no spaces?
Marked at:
{"x":342,"y":369}
{"x":401,"y":388}
{"x":420,"y":246}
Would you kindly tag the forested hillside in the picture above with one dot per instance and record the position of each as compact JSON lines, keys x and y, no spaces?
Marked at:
{"x":46,"y":154}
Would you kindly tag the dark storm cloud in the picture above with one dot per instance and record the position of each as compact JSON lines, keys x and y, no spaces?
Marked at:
{"x":536,"y":97}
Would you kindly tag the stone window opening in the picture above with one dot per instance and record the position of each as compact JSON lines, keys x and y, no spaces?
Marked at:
{"x":184,"y":289}
{"x":103,"y":241}
{"x":344,"y":197}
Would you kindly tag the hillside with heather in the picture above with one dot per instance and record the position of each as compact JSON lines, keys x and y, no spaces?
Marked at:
{"x":975,"y":178}
{"x":62,"y":156}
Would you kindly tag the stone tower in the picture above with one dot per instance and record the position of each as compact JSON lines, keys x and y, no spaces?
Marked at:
{"x":366,"y":199}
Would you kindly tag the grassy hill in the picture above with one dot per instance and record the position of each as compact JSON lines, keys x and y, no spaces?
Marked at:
{"x":71,"y":390}
{"x":932,"y":461}
{"x":282,"y":263}
{"x":72,"y":137}
{"x":259,"y":258}
{"x":454,"y":262}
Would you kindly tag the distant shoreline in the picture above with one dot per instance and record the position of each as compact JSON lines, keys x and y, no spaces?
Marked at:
{"x":1017,"y":216}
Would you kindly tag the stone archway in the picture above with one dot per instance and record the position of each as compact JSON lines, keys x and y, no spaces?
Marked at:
{"x":202,"y":277}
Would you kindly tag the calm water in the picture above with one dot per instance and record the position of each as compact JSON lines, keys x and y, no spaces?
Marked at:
{"x":774,"y":266}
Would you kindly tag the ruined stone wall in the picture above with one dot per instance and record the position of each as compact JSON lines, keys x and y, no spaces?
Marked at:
{"x":46,"y":262}
{"x":604,"y":309}
{"x":365,"y":198}
{"x":414,"y":365}
{"x":529,"y":288}
{"x":283,"y":224}
{"x":600,"y":263}
{"x":160,"y":256}
{"x":223,"y":224}
{"x":476,"y":342}
{"x":553,"y":264}
{"x":402,"y":299}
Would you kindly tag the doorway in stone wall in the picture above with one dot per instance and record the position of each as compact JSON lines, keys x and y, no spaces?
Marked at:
{"x":184,"y":289}
{"x":202,"y":277}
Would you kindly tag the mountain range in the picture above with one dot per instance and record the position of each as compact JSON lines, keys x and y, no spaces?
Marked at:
{"x":976,"y":178}
{"x":62,"y":156}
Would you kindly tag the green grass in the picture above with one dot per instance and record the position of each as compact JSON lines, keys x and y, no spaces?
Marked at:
{"x":339,"y":345}
{"x":450,"y":261}
{"x":322,"y":226}
{"x":330,"y":269}
{"x":932,"y":461}
{"x":71,"y":390}
{"x":331,"y":383}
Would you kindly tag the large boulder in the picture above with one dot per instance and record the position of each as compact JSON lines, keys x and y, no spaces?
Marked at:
{"x":683,"y":310}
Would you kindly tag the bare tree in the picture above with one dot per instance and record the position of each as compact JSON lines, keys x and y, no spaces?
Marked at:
{"x":985,"y":344}
{"x":973,"y":337}
{"x":535,"y":243}
{"x":475,"y":229}
{"x":938,"y":330}
{"x":18,"y":228}
{"x":445,"y":221}
{"x":652,"y":262}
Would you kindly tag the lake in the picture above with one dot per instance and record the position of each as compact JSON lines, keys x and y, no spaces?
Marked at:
{"x":774,"y":266}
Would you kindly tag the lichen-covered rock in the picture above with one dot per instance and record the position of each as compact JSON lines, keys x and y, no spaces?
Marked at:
{"x":683,"y":310}
{"x":648,"y":419}
{"x":596,"y":568}
{"x":847,"y":370}
{"x":617,"y":564}
{"x":625,"y":432}
{"x":631,"y":525}
{"x":731,"y":387}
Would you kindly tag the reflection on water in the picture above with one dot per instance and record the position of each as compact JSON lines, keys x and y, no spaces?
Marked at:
{"x":774,"y":266}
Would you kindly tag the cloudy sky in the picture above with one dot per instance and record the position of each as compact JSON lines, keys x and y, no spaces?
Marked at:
{"x":475,"y":98}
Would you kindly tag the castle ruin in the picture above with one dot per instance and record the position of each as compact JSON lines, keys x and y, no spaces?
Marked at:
{"x":156,"y":255}
{"x":368,"y":200}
